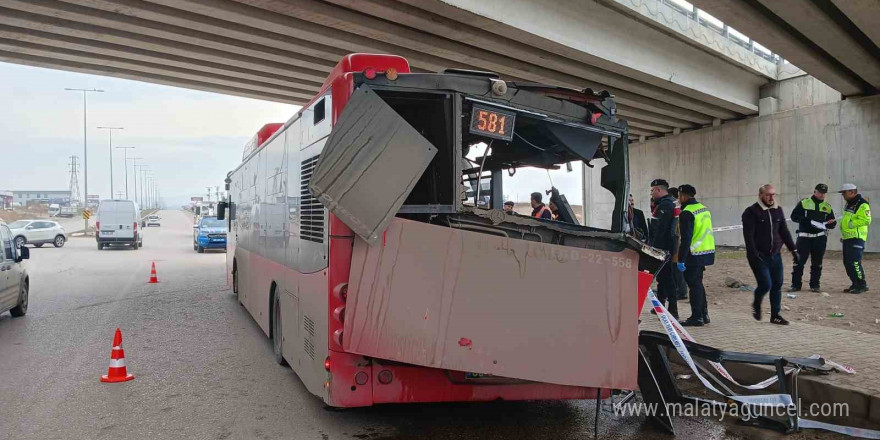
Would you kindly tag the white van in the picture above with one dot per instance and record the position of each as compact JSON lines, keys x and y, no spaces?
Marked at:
{"x":118,"y":222}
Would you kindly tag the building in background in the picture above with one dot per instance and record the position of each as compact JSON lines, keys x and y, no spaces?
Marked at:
{"x":25,"y":198}
{"x":6,"y":198}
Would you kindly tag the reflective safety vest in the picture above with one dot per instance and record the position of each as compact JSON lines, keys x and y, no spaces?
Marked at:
{"x":703,"y":240}
{"x":542,"y":211}
{"x":810,"y":205}
{"x":855,"y":221}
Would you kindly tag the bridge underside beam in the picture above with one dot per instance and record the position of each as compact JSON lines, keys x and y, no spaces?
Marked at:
{"x":835,"y":41}
{"x":282,"y":50}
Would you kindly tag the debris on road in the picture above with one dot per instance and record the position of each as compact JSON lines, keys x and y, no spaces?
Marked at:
{"x":835,"y":315}
{"x":732,"y":283}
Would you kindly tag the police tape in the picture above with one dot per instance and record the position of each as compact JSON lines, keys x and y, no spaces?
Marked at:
{"x":764,"y":383}
{"x":768,"y":400}
{"x":737,"y":227}
{"x":673,"y":327}
{"x":845,"y":430}
{"x":727,"y":228}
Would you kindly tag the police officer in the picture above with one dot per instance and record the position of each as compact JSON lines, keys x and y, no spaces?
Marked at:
{"x":508,"y":207}
{"x":697,"y":250}
{"x":811,"y":239}
{"x":661,"y":237}
{"x":854,"y":233}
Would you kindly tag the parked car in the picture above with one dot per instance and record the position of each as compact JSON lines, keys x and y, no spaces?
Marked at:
{"x":209,"y":233}
{"x":117,"y":223}
{"x":37,"y":233}
{"x":14,"y":281}
{"x":153,"y":220}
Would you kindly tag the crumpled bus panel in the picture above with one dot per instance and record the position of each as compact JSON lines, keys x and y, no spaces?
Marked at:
{"x":459,"y":300}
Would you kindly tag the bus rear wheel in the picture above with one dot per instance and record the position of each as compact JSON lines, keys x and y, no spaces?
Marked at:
{"x":277,"y":335}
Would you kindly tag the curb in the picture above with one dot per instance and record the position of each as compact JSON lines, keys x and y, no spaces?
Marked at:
{"x":811,"y":388}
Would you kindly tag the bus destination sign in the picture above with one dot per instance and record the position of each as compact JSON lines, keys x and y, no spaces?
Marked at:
{"x":494,"y":123}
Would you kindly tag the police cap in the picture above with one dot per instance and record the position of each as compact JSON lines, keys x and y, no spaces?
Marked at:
{"x":822,"y":188}
{"x":660,"y":182}
{"x":687,"y":189}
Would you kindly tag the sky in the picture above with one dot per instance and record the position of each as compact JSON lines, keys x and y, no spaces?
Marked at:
{"x":190,"y":139}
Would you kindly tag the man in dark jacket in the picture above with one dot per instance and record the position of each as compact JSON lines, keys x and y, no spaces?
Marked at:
{"x":661,"y":237}
{"x":539,"y":210}
{"x":637,"y":220}
{"x":681,"y":287}
{"x":814,"y":217}
{"x":697,"y":250}
{"x":764,"y":232}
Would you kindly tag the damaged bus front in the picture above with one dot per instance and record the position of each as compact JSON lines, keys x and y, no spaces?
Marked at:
{"x":440,"y":276}
{"x":368,"y":240}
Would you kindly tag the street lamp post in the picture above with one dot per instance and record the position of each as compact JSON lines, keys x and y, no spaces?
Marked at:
{"x":144,"y":171}
{"x":110,"y":133}
{"x":125,"y":165}
{"x":134,"y":167}
{"x":85,"y":148}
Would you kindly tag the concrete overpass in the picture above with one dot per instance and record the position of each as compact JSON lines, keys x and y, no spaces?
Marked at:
{"x":835,"y":41}
{"x":668,"y":74}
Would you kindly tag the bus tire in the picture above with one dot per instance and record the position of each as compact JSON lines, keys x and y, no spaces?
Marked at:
{"x":235,"y":278}
{"x":277,"y":333}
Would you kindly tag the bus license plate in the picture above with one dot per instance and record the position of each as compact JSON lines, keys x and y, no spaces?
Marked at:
{"x":476,"y":376}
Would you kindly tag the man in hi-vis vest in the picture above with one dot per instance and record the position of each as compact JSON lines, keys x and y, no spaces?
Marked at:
{"x":814,"y":217}
{"x":854,"y":234}
{"x":697,"y":250}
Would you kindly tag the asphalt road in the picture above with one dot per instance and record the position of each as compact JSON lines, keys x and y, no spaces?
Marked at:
{"x":205,"y":370}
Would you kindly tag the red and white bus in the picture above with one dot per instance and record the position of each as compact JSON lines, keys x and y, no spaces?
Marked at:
{"x":387,"y":169}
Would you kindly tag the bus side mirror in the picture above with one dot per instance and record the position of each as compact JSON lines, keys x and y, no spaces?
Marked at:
{"x":221,"y":211}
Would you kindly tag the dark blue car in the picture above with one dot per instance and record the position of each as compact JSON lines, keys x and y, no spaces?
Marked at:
{"x":209,"y":233}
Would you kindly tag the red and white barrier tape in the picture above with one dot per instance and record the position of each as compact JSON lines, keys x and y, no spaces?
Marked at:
{"x":676,"y":335}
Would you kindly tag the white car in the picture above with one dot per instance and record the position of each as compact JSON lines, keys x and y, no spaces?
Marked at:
{"x":37,"y":233}
{"x":153,"y":220}
{"x":14,"y":281}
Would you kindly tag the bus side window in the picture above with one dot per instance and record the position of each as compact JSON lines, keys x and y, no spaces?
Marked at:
{"x":315,"y":124}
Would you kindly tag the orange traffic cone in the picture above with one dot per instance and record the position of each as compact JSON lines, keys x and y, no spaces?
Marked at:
{"x":153,"y":278}
{"x":117,"y":371}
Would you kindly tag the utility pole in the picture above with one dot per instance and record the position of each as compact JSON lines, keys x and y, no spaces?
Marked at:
{"x":85,"y":146}
{"x":125,"y":165}
{"x":110,"y":133}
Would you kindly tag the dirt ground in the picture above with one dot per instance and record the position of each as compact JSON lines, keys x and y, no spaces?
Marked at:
{"x":24,"y":213}
{"x":861,"y":312}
